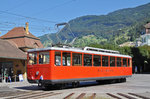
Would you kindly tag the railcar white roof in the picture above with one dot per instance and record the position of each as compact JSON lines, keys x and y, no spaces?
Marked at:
{"x":78,"y":50}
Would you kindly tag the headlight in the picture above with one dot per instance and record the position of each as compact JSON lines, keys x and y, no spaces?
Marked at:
{"x":37,"y":73}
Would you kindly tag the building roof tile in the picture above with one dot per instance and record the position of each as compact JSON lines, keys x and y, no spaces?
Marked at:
{"x":22,"y":38}
{"x":8,"y":49}
{"x":18,"y":32}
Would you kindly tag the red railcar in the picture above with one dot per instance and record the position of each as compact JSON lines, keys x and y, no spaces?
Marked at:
{"x":61,"y":65}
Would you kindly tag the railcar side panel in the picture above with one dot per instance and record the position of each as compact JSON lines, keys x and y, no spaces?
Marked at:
{"x":51,"y":73}
{"x":78,"y":72}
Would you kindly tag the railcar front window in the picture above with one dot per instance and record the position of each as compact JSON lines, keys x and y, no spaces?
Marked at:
{"x":44,"y":58}
{"x":124,"y":62}
{"x":118,"y":62}
{"x":87,"y":60}
{"x":97,"y":60}
{"x":112,"y":61}
{"x":66,"y":59}
{"x":57,"y":58}
{"x":76,"y":59}
{"x":32,"y":58}
{"x":105,"y":61}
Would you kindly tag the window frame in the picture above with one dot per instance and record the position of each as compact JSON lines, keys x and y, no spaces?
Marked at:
{"x":60,"y":58}
{"x":39,"y":58}
{"x":125,"y":65}
{"x":33,"y":59}
{"x":120,"y":62}
{"x":99,"y":59}
{"x":105,"y":62}
{"x":114,"y":61}
{"x":81,"y":61}
{"x":70,"y":58}
{"x":91,"y":60}
{"x":129,"y":62}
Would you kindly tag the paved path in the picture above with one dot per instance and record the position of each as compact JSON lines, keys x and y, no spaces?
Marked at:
{"x":136,"y":87}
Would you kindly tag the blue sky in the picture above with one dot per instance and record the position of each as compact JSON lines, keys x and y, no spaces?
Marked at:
{"x":42,"y":15}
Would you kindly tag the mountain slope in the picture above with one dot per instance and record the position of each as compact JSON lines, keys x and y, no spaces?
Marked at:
{"x":116,"y":27}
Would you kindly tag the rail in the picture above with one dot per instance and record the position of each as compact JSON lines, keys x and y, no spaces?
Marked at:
{"x":54,"y":95}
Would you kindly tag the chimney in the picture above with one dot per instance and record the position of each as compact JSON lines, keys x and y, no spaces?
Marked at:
{"x":27,"y":28}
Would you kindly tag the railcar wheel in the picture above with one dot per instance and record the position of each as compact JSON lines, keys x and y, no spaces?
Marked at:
{"x":75,"y":84}
{"x":99,"y":81}
{"x":39,"y":85}
{"x":48,"y":86}
{"x":61,"y":86}
{"x":123,"y":80}
{"x":112,"y":81}
{"x":118,"y":80}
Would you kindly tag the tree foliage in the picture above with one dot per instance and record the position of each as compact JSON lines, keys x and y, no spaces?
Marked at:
{"x":140,"y":55}
{"x":116,"y":27}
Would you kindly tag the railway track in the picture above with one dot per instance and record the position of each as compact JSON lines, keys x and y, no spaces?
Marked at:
{"x":27,"y":95}
{"x":106,"y":96}
{"x":58,"y":95}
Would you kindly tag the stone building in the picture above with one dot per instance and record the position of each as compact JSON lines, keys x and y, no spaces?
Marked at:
{"x":23,"y":39}
{"x":12,"y":60}
{"x":13,"y":51}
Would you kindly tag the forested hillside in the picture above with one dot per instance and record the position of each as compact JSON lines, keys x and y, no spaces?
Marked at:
{"x":114,"y":28}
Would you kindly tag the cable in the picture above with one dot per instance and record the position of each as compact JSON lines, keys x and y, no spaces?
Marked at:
{"x":18,"y":5}
{"x":33,"y":26}
{"x":53,"y":7}
{"x":3,"y":30}
{"x":6,"y":25}
{"x":28,"y":17}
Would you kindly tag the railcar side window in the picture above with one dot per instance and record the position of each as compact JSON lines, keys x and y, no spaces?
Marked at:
{"x":57,"y":58}
{"x":76,"y":59}
{"x":118,"y":62}
{"x":112,"y":61}
{"x":128,"y":62}
{"x":105,"y":61}
{"x":44,"y":58}
{"x":66,"y":59}
{"x":87,"y":60}
{"x":124,"y":62}
{"x":32,"y":58}
{"x":97,"y":60}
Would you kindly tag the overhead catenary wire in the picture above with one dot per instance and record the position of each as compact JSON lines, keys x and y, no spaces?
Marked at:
{"x":42,"y":11}
{"x":7,"y":26}
{"x":27,"y":17}
{"x":13,"y":23}
{"x":18,"y":5}
{"x":3,"y":30}
{"x":34,"y":26}
{"x":10,"y":25}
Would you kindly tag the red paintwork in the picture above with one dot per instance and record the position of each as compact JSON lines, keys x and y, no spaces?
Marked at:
{"x":51,"y":72}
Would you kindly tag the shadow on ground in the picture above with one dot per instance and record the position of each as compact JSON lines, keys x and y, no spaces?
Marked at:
{"x":51,"y":88}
